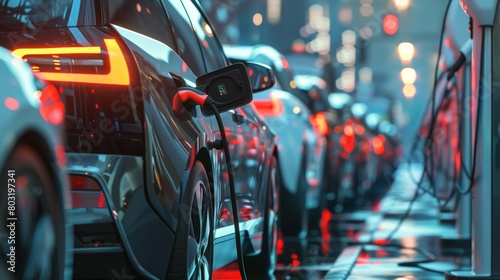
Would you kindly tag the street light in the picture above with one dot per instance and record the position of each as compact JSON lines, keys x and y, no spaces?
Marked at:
{"x":257,"y":19}
{"x":409,"y":91}
{"x":402,"y":5}
{"x":406,"y":52}
{"x":408,"y":76}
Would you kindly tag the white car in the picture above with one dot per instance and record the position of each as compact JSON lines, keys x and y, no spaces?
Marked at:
{"x":34,"y":238}
{"x":302,"y":143}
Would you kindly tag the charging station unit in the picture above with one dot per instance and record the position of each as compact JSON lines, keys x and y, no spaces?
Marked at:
{"x":459,"y":42}
{"x":485,"y":192}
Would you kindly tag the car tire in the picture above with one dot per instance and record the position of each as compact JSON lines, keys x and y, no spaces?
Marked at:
{"x":264,"y":263}
{"x":39,"y":239}
{"x":294,"y":216}
{"x":192,"y":255}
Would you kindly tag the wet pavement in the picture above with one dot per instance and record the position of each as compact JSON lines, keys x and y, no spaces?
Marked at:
{"x":365,"y":245}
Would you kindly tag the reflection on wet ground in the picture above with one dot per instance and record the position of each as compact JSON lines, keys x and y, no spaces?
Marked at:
{"x":364,"y":245}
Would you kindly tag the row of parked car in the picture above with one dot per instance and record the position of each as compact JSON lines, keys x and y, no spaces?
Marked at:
{"x":120,"y":162}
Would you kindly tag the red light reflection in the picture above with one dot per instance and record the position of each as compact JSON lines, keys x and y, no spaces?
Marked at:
{"x":363,"y":258}
{"x":326,"y":216}
{"x":60,"y":155}
{"x":11,"y":103}
{"x":285,"y":63}
{"x":295,"y":260}
{"x":102,"y":201}
{"x":51,"y":108}
{"x":280,"y":244}
{"x":381,"y":241}
{"x":381,"y":253}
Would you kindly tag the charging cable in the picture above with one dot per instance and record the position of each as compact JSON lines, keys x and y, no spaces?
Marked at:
{"x":187,"y":98}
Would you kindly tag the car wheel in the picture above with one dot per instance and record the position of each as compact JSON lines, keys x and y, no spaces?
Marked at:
{"x":192,"y":256}
{"x":34,"y":236}
{"x":265,"y":262}
{"x":295,"y":217}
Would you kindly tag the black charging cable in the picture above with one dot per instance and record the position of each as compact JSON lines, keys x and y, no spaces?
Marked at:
{"x":466,"y":49}
{"x":241,"y":263}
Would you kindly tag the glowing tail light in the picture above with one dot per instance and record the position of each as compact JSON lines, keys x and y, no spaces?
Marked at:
{"x":57,"y":63}
{"x":83,"y":183}
{"x":86,"y":192}
{"x":378,"y":144}
{"x":348,"y":143}
{"x":320,"y":123}
{"x":359,"y":129}
{"x":348,"y":130}
{"x":269,"y":107}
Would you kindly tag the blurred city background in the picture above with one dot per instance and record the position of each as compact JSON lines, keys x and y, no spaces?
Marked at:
{"x":366,"y":48}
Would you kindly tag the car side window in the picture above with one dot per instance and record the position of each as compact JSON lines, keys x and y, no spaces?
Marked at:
{"x":187,"y":43}
{"x":210,"y":46}
{"x":146,"y":17}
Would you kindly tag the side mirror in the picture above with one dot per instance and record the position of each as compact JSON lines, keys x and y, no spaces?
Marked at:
{"x":261,"y":76}
{"x":228,"y":87}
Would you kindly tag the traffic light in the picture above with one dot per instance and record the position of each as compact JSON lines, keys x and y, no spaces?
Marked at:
{"x":390,"y":24}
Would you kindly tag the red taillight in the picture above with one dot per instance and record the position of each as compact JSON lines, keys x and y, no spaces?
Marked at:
{"x":378,"y":144}
{"x":269,"y":107}
{"x":359,"y":129}
{"x":348,"y":143}
{"x":348,"y":130}
{"x":337,"y":129}
{"x":57,"y":63}
{"x":86,"y":192}
{"x":101,"y":203}
{"x":83,"y":183}
{"x":320,"y":123}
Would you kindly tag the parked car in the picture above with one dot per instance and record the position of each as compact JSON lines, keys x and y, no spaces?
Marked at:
{"x":147,"y":164}
{"x":367,"y":152}
{"x":34,"y":192}
{"x":302,"y":144}
{"x":340,"y":174}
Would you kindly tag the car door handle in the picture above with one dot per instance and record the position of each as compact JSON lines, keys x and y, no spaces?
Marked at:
{"x":238,"y":118}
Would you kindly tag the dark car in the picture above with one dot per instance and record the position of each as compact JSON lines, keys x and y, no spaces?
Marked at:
{"x":147,"y":163}
{"x":367,"y":154}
